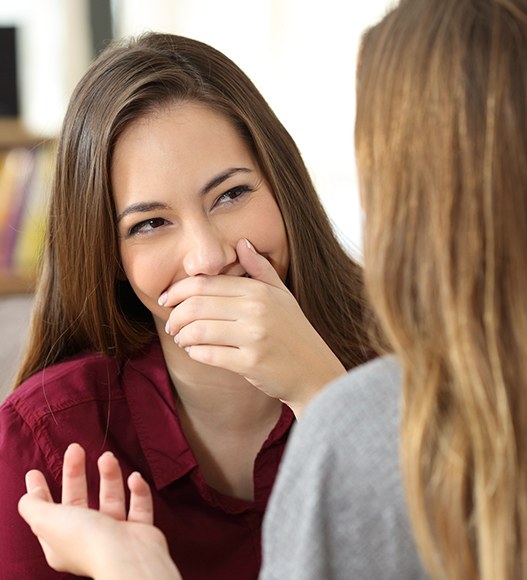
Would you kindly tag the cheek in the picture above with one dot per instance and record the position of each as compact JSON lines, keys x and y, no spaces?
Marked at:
{"x":148,"y":273}
{"x":267,"y":233}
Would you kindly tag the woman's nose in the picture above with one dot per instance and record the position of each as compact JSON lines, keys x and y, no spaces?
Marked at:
{"x":207,"y":251}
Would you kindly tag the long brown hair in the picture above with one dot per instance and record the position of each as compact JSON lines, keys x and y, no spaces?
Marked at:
{"x":441,"y":137}
{"x":82,"y":303}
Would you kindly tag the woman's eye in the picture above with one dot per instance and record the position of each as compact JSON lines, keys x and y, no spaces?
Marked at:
{"x":146,"y":226}
{"x":232,"y":195}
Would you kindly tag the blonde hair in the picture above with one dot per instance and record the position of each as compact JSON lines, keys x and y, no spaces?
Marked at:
{"x":441,"y":137}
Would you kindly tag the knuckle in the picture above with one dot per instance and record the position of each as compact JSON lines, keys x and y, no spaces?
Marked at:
{"x":253,"y":358}
{"x":196,"y":333}
{"x":142,"y":509}
{"x":193,"y":306}
{"x":208,"y":356}
{"x":257,"y":334}
{"x":77,"y":501}
{"x":199,"y":284}
{"x":257,"y":308}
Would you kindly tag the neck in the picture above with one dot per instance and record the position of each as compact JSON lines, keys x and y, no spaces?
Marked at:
{"x":214,"y":393}
{"x":225,"y":420}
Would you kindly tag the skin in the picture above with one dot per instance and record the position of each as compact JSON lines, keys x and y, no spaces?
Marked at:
{"x":205,"y":192}
{"x":108,"y":544}
{"x":189,"y":194}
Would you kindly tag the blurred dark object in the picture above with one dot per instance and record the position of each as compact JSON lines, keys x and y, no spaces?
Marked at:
{"x":9,"y":103}
{"x":101,"y":24}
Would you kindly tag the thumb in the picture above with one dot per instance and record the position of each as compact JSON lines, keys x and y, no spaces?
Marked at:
{"x":256,"y":265}
{"x":36,"y":484}
{"x":34,"y":501}
{"x":34,"y":506}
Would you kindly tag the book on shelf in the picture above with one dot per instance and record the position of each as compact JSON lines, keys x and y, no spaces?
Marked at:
{"x":14,"y":188}
{"x":25,"y":177}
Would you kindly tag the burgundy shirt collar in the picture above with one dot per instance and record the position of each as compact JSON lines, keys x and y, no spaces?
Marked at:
{"x":157,"y":423}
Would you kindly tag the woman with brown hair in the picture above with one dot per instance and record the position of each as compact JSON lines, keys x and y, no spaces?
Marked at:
{"x":187,"y":260}
{"x":427,"y":446}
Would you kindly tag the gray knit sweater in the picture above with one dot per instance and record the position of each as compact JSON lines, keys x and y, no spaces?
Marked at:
{"x":338,"y":509}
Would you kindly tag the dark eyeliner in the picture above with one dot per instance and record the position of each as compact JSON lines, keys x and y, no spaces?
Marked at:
{"x":135,"y":229}
{"x":239,"y":189}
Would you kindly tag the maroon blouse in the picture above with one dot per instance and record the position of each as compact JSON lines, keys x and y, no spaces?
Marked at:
{"x":128,"y":409}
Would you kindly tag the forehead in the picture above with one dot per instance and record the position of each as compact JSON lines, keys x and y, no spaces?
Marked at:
{"x":180,"y":127}
{"x":179,"y":147}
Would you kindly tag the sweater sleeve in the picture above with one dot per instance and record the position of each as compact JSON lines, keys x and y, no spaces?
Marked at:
{"x":21,"y":556}
{"x":338,"y":509}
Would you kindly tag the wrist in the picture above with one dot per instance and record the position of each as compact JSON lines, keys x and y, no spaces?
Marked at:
{"x":144,"y":556}
{"x":314,"y":385}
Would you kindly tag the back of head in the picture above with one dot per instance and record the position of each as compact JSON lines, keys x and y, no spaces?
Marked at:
{"x":441,"y":137}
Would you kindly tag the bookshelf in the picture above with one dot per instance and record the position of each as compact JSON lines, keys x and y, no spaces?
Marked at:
{"x":15,"y":284}
{"x":24,"y":166}
{"x":14,"y":134}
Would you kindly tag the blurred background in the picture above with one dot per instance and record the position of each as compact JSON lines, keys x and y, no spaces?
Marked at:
{"x":301,"y":54}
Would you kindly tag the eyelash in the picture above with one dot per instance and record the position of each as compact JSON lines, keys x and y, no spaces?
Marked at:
{"x":235,"y":193}
{"x":136,"y":229}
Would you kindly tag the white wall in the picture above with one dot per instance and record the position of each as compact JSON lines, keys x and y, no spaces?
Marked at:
{"x":302,"y":56}
{"x":300,"y":53}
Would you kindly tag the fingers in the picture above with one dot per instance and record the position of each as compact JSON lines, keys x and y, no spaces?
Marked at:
{"x":202,"y":308}
{"x":209,"y":286}
{"x":256,"y":265}
{"x":210,"y":319}
{"x":141,"y":504}
{"x":212,"y":332}
{"x":217,"y":356}
{"x":74,"y":486}
{"x":112,"y":499}
{"x":33,"y":506}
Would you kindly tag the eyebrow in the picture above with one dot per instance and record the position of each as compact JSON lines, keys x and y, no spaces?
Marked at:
{"x":142,"y":207}
{"x":219,"y":179}
{"x":146,"y":206}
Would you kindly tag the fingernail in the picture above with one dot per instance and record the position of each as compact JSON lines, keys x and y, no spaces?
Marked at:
{"x":167,"y":327}
{"x":249,"y":245}
{"x":176,"y":338}
{"x":163,"y":299}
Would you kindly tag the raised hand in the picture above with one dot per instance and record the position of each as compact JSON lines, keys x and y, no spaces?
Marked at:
{"x":101,"y":544}
{"x":252,"y":326}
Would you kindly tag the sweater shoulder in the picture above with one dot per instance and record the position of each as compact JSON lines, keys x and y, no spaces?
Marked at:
{"x":369,"y":395}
